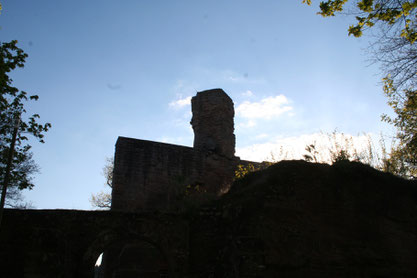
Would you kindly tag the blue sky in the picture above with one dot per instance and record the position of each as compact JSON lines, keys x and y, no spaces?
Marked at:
{"x":104,"y":69}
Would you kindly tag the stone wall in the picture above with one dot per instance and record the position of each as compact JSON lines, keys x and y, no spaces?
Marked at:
{"x":295,"y":219}
{"x":67,"y":243}
{"x":151,"y":176}
{"x":212,"y":122}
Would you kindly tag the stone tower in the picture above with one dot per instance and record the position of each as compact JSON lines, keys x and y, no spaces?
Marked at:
{"x":147,"y":175}
{"x":213,"y":123}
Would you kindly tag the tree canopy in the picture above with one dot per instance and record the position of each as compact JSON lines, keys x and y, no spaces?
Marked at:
{"x":396,"y":33}
{"x":395,"y":48}
{"x":403,"y":160}
{"x":371,"y":12}
{"x":13,"y":117}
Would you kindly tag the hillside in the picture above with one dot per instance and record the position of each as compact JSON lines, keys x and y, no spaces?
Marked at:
{"x":299,"y":219}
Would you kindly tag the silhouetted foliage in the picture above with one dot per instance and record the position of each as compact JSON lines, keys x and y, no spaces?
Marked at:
{"x":12,"y":115}
{"x":403,"y":159}
{"x":395,"y":48}
{"x":102,"y":199}
{"x":396,"y":13}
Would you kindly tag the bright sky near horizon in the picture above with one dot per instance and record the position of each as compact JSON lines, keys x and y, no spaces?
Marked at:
{"x":104,"y":69}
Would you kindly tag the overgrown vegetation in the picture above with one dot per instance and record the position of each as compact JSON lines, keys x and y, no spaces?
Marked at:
{"x":242,"y":170}
{"x":339,"y":147}
{"x":342,"y":148}
{"x":394,"y":47}
{"x":187,"y":197}
{"x":336,"y":146}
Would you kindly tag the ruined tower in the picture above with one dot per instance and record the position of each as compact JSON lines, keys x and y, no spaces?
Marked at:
{"x":151,"y":175}
{"x":212,"y":122}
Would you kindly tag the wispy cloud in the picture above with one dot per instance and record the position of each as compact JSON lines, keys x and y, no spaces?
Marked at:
{"x":266,"y":108}
{"x":248,"y":124}
{"x":280,"y":148}
{"x":261,"y":136}
{"x":180,"y":103}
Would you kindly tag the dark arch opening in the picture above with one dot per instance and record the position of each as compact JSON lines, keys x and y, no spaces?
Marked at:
{"x":127,"y":257}
{"x":134,"y":259}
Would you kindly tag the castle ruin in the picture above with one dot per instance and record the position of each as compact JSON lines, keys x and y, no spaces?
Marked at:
{"x":147,"y":175}
{"x":294,"y":219}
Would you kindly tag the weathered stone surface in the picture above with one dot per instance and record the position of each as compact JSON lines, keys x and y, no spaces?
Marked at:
{"x":294,"y":219}
{"x":67,"y":243}
{"x":212,"y":122}
{"x":149,"y":175}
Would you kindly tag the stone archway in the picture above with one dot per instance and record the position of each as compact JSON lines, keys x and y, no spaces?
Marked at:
{"x":138,"y":259}
{"x":60,"y":243}
{"x":128,"y":255}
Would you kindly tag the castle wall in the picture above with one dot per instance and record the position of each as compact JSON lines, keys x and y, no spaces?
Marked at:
{"x":150,"y":175}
